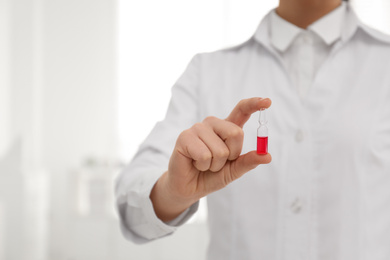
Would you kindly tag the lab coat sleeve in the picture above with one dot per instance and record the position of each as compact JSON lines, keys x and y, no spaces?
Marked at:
{"x":139,"y":222}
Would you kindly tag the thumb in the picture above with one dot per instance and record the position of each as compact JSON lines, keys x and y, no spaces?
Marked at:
{"x":247,"y":162}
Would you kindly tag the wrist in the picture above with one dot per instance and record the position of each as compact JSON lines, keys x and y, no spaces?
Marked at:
{"x":166,"y":203}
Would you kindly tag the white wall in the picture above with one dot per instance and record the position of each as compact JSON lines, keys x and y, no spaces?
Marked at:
{"x":79,"y":115}
{"x":24,"y":226}
{"x":57,"y":97}
{"x":4,"y":86}
{"x":79,"y":80}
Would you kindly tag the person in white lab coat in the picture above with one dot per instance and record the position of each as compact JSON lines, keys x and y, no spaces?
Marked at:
{"x":326,"y":194}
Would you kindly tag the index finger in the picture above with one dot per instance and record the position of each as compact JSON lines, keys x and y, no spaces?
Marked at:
{"x":245,"y":108}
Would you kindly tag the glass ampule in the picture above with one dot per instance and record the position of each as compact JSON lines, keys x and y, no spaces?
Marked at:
{"x":262,"y":133}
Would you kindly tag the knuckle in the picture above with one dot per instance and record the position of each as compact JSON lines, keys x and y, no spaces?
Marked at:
{"x":210,"y":119}
{"x":236,"y":132}
{"x":216,"y":168}
{"x":222,"y":153}
{"x":198,"y":127}
{"x":200,"y":166}
{"x":205,"y":156}
{"x":184,"y":135}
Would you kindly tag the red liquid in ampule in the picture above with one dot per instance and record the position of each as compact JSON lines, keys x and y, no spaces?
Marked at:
{"x":262,"y":145}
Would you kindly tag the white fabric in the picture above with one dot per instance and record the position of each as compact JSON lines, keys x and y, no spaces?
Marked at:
{"x":326,"y":193}
{"x":303,"y":51}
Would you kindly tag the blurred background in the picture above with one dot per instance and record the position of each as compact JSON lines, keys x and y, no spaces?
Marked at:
{"x":82,"y":82}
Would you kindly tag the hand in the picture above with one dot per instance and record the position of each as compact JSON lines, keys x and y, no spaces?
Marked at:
{"x":205,"y":159}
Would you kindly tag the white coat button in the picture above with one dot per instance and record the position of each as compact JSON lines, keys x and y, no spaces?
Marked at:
{"x":296,"y":206}
{"x":299,"y":136}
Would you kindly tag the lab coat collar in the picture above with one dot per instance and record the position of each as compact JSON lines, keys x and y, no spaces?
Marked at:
{"x":328,"y":28}
{"x":351,"y":25}
{"x":282,"y":33}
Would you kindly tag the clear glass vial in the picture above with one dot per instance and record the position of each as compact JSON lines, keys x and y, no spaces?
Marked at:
{"x":262,"y":133}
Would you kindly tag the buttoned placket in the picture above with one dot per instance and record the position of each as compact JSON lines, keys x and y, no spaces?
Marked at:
{"x":305,"y":63}
{"x":296,"y":192}
{"x":301,"y":189}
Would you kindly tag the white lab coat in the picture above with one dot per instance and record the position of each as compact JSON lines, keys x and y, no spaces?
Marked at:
{"x":326,"y":193}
